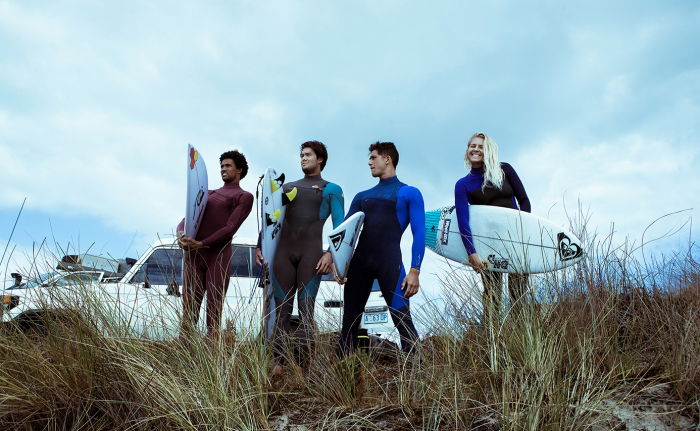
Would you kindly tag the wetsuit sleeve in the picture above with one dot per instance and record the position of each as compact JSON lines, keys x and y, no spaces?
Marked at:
{"x":518,"y":188}
{"x":235,"y":219}
{"x":354,"y":206}
{"x":415,"y":209}
{"x":462,"y":206}
{"x":337,"y":202}
{"x":259,"y":243}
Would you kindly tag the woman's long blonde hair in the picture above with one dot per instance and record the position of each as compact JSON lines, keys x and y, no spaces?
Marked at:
{"x":493,"y":174}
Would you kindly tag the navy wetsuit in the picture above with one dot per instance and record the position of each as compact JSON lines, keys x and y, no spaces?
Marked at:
{"x":468,"y":191}
{"x":298,"y":252}
{"x":389,"y":207}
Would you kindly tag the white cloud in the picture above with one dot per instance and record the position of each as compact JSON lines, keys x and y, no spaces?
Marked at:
{"x":628,"y":182}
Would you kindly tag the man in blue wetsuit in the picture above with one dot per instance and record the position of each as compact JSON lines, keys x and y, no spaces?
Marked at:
{"x":300,"y":260}
{"x":389,"y":207}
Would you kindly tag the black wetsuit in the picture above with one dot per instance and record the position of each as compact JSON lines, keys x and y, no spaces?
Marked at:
{"x":299,"y":249}
{"x":389,"y":207}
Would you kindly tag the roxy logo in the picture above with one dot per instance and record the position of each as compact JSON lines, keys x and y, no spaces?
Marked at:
{"x":567,"y":249}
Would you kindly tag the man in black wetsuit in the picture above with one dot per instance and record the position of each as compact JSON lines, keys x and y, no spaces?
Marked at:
{"x":389,"y":208}
{"x":300,"y":260}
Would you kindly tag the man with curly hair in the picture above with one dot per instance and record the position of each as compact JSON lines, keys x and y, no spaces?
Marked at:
{"x":208,"y":255}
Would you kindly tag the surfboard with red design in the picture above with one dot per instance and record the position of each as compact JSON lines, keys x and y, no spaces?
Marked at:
{"x":197,"y":191}
{"x":507,"y":240}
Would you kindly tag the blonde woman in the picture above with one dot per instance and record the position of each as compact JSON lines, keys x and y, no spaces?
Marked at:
{"x":489,"y":182}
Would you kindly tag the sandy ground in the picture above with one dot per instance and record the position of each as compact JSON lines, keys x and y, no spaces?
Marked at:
{"x":646,"y":410}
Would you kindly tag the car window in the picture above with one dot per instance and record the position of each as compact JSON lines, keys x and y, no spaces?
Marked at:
{"x":78,"y":279}
{"x":39,"y":280}
{"x":240,"y":261}
{"x":162,"y":267}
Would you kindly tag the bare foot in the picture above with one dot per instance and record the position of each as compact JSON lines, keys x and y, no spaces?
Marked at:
{"x":277,"y":371}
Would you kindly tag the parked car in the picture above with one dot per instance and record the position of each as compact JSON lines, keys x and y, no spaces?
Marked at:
{"x":147,"y":299}
{"x":60,"y":278}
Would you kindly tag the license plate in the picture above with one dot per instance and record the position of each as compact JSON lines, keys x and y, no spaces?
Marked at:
{"x":371,"y":318}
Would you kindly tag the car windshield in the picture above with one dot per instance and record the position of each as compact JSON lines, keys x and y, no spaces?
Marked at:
{"x":37,"y":281}
{"x":60,"y":279}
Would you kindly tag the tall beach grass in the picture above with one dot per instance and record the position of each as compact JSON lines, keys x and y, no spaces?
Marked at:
{"x":607,"y":329}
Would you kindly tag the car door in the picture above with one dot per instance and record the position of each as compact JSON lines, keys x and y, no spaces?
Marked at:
{"x":154,"y":294}
{"x":243,"y":302}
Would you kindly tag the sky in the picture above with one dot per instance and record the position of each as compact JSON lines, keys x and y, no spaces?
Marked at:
{"x":595,"y":104}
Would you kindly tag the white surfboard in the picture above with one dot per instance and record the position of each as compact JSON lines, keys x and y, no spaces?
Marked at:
{"x":342,"y":242}
{"x":197,"y":191}
{"x":507,"y":240}
{"x":272,"y":206}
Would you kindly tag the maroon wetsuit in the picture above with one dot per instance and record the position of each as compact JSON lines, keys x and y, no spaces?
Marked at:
{"x":206,"y":269}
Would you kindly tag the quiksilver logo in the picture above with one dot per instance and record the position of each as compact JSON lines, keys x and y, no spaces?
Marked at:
{"x":337,"y":240}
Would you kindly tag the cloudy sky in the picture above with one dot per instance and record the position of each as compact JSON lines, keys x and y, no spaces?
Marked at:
{"x":595,"y":104}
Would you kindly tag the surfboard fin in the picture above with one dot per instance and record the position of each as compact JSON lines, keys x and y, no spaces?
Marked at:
{"x":289,"y":196}
{"x":276,"y":183}
{"x":272,"y":218}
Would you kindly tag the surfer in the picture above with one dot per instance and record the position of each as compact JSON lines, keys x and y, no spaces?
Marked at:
{"x":208,"y":255}
{"x":300,"y":260}
{"x":389,"y":207}
{"x":489,"y":183}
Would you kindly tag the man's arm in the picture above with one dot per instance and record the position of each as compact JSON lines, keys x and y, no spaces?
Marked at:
{"x":336,"y":201}
{"x":354,"y":206}
{"x":416,"y":217}
{"x":413,"y":202}
{"x":235,"y":219}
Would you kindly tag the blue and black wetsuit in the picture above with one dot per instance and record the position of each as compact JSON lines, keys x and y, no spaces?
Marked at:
{"x":299,"y":249}
{"x":469,"y":191}
{"x":389,"y":207}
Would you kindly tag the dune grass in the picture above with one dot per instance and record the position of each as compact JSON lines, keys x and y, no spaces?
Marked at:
{"x":608,"y":329}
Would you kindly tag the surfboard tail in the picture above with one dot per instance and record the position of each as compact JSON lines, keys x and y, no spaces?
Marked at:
{"x":432,"y":224}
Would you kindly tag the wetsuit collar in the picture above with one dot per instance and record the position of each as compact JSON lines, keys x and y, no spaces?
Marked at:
{"x":390,"y":180}
{"x":231,"y":185}
{"x":312,"y":177}
{"x":477,"y":171}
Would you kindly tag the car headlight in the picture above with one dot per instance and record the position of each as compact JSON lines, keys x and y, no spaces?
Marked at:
{"x":9,"y":301}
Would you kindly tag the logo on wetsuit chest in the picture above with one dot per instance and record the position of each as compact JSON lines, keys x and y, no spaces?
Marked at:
{"x":337,"y":240}
{"x":498,"y":262}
